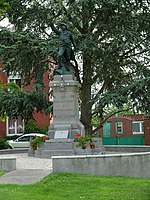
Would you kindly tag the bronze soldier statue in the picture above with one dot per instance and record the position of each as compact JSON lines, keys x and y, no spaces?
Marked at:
{"x":65,"y":53}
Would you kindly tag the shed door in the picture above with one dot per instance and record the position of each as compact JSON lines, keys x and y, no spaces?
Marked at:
{"x":107,"y":129}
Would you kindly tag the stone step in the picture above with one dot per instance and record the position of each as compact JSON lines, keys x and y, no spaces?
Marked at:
{"x":95,"y":151}
{"x":49,"y":153}
{"x":48,"y":145}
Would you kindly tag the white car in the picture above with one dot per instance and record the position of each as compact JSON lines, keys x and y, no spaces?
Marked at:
{"x":24,"y":140}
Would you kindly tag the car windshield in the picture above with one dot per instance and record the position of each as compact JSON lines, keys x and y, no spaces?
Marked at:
{"x":24,"y":139}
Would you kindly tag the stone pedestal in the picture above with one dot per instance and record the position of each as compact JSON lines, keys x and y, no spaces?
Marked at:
{"x":66,"y":121}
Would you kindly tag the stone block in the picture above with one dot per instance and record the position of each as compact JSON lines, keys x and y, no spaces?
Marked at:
{"x":129,"y":165}
{"x":7,"y":164}
{"x":49,"y":153}
{"x":57,"y":145}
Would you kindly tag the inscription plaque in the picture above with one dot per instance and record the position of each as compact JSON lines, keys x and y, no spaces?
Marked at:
{"x":61,"y":134}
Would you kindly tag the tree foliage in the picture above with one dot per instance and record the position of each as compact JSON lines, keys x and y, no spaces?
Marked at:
{"x":4,"y":7}
{"x":112,"y":37}
{"x":24,"y":53}
{"x":20,"y":103}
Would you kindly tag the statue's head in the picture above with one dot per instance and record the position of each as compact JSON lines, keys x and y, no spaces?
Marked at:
{"x":63,"y":26}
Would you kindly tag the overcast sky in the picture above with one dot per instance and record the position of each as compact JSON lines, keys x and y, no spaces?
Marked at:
{"x":5,"y":23}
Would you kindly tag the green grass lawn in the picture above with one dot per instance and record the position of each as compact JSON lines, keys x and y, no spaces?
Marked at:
{"x":1,"y":173}
{"x":64,"y":186}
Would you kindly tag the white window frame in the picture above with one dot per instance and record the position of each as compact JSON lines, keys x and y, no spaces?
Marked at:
{"x":14,"y":78}
{"x":120,"y":125}
{"x":140,"y":126}
{"x":13,"y":127}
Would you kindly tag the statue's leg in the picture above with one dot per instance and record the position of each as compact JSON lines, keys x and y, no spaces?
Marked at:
{"x":68,"y":57}
{"x":59,"y":62}
{"x":61,"y":57}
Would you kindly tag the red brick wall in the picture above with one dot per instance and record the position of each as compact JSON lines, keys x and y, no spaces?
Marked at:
{"x":2,"y":129}
{"x":41,"y":120}
{"x":3,"y":124}
{"x":45,"y":80}
{"x":127,"y":126}
{"x":3,"y":77}
{"x":147,"y":131}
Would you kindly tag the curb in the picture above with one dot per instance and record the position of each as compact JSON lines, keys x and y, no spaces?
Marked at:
{"x":13,"y":151}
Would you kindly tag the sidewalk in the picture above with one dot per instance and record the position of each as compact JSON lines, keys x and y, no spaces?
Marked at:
{"x":29,"y":170}
{"x":24,"y":176}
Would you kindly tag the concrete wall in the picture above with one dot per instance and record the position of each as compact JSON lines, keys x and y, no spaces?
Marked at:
{"x":7,"y":164}
{"x":127,"y":148}
{"x":129,"y":165}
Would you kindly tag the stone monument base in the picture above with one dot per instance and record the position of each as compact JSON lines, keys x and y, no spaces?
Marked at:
{"x":63,"y":147}
{"x":66,"y":122}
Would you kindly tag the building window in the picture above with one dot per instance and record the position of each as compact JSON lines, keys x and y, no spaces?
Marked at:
{"x":14,"y":126}
{"x":16,"y":79}
{"x":138,"y":127}
{"x":119,"y":127}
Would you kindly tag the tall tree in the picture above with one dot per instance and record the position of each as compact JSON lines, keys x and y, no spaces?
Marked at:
{"x":112,"y":37}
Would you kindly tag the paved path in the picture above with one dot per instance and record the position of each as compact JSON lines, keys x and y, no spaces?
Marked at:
{"x":29,"y":170}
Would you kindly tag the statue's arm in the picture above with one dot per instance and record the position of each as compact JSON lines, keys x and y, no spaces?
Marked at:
{"x":54,"y":29}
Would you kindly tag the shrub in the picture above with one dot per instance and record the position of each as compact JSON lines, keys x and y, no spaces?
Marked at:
{"x":85,"y":141}
{"x":37,"y":142}
{"x":4,"y":144}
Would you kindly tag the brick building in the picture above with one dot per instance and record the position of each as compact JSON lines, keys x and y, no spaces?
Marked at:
{"x":126,"y":130}
{"x":12,"y":127}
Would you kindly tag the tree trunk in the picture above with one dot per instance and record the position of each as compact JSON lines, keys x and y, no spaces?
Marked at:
{"x":86,"y":103}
